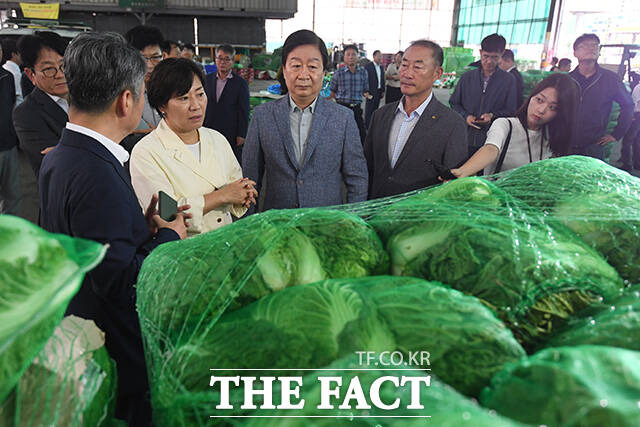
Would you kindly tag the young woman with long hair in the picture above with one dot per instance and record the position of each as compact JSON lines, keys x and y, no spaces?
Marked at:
{"x":542,"y":128}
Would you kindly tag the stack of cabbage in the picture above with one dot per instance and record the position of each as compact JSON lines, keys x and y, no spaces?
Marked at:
{"x":473,"y":272}
{"x":45,"y":379}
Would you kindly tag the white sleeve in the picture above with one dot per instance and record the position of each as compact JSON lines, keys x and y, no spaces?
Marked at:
{"x":498,"y":132}
{"x":636,"y":95}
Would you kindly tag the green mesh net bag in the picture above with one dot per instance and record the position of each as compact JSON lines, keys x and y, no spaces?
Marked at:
{"x":615,"y":322}
{"x":443,"y":406}
{"x":71,"y":382}
{"x":39,"y":273}
{"x":474,"y":237}
{"x":570,"y":386}
{"x":600,"y":203}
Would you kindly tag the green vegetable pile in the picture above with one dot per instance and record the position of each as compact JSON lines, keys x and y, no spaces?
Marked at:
{"x":506,"y":281}
{"x":71,"y":382}
{"x":39,"y":274}
{"x":598,"y":202}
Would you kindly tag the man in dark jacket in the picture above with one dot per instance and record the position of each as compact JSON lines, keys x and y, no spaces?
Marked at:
{"x":598,"y":89}
{"x":484,"y":94}
{"x":228,"y":105}
{"x":40,"y":118}
{"x":375,"y":71}
{"x":86,"y":192}
{"x":508,"y":64}
{"x":10,"y":194}
{"x":411,"y":141}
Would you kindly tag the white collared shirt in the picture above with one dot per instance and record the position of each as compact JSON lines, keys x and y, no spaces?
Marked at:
{"x":14,"y":69}
{"x":402,"y":126}
{"x":114,"y":148}
{"x":379,"y":73}
{"x":61,"y":102}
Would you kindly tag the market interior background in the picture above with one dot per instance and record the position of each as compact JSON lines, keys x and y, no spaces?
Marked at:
{"x":536,"y":30}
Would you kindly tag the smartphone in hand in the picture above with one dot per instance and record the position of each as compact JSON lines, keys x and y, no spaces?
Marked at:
{"x":167,"y":207}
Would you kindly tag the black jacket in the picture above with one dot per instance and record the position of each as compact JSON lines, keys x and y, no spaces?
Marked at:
{"x":519,"y":86}
{"x":230,"y":115}
{"x":595,"y":104}
{"x":469,"y":98}
{"x":8,"y":138}
{"x":438,"y":139}
{"x":39,"y":122}
{"x":85,"y":192}
{"x":373,"y":77}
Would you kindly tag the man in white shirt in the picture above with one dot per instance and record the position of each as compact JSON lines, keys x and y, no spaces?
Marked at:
{"x":39,"y":120}
{"x":86,"y":192}
{"x":376,"y":86}
{"x":11,"y":55}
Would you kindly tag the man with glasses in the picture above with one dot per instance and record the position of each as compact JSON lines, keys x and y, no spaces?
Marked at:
{"x":598,"y":89}
{"x":147,"y":40}
{"x":228,"y":101}
{"x":486,"y":93}
{"x":39,"y":120}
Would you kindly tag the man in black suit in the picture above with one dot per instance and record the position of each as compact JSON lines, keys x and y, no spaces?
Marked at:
{"x":10,"y":195}
{"x":508,"y":64}
{"x":411,"y":141}
{"x":86,"y":192}
{"x":40,"y":118}
{"x":228,"y":105}
{"x":376,"y":86}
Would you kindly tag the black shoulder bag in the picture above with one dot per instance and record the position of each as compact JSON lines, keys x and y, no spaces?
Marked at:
{"x":504,"y":149}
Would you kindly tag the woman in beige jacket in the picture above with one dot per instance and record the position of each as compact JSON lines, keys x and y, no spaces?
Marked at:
{"x":190,"y":163}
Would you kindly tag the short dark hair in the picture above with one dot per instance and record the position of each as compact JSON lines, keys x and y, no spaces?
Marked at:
{"x":400,"y":52}
{"x":188,"y":46}
{"x":351,"y":46}
{"x":99,"y":67}
{"x":584,"y":37}
{"x":493,"y":43}
{"x":301,"y":38}
{"x":8,"y":49}
{"x":30,"y":46}
{"x":554,"y":60}
{"x":172,"y":77}
{"x":142,"y":36}
{"x":508,"y":55}
{"x":436,"y":50}
{"x":167,"y":45}
{"x":226,"y":48}
{"x":560,"y":129}
{"x":563,"y":62}
{"x":376,"y":52}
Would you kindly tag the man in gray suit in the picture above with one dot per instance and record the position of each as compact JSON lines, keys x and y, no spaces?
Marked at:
{"x":307,"y":145}
{"x":410,"y":142}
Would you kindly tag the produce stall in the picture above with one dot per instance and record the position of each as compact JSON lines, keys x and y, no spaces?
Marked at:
{"x":505,"y":300}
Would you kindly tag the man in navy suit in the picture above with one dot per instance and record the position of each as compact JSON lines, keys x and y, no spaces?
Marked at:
{"x":228,"y":105}
{"x":86,"y":192}
{"x":376,"y":86}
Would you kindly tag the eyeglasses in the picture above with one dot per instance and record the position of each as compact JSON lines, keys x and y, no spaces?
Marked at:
{"x":154,"y":58}
{"x":221,"y":59}
{"x":52,"y":71}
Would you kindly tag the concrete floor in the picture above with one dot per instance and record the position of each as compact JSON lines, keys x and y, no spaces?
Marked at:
{"x":29,"y":185}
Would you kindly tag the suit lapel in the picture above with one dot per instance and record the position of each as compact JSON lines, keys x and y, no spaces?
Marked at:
{"x":174,"y":145}
{"x":52,"y":109}
{"x":317,"y":126}
{"x":385,"y":125}
{"x":417,"y":136}
{"x":283,"y":124}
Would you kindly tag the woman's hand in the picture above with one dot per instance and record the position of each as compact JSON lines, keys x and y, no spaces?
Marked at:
{"x":238,"y":192}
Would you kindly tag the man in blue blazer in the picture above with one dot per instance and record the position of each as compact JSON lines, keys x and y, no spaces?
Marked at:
{"x":85,"y":192}
{"x":307,"y":146}
{"x":228,"y":101}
